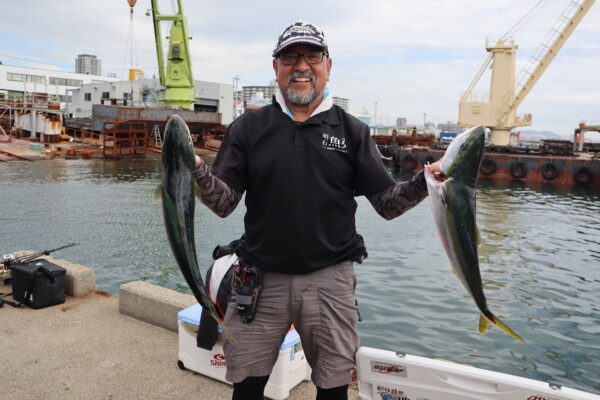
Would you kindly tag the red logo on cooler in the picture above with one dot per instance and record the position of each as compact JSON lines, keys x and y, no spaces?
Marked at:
{"x":218,"y":361}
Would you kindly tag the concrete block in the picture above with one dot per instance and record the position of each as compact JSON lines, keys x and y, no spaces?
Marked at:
{"x":79,"y":280}
{"x":153,"y":304}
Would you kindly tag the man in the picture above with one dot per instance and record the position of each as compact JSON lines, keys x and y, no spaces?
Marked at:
{"x":300,"y":161}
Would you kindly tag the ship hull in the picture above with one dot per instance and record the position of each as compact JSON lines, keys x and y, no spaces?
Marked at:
{"x":568,"y":170}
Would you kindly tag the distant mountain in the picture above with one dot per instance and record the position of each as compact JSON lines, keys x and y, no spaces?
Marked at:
{"x":536,"y":136}
{"x":539,"y":135}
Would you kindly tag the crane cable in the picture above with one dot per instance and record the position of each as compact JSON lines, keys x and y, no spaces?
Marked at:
{"x":513,"y":31}
{"x":527,"y":18}
{"x":129,"y":49}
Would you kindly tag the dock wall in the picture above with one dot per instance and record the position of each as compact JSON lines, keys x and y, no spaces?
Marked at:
{"x":79,"y":280}
{"x":140,"y":300}
{"x":153,"y":304}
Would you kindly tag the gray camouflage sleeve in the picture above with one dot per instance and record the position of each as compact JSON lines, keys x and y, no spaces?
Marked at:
{"x":216,"y":194}
{"x":400,"y":197}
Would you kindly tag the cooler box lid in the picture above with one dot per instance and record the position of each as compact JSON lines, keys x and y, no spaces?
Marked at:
{"x":383,"y":374}
{"x":191,"y":316}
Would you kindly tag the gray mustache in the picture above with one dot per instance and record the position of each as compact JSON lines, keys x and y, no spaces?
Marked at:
{"x":297,"y":74}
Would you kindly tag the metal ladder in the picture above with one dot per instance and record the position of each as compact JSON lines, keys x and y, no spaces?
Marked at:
{"x":157,"y":136}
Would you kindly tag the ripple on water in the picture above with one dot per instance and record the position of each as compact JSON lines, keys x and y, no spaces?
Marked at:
{"x":538,"y":259}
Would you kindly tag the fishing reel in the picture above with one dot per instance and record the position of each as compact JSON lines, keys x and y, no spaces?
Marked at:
{"x":5,"y":263}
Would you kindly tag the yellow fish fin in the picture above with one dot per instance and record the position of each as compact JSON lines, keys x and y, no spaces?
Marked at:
{"x":158,"y":194}
{"x":454,"y":272}
{"x":484,"y":323}
{"x":197,"y":191}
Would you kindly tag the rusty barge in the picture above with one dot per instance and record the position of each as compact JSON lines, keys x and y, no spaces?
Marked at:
{"x":557,"y":161}
{"x":113,"y":131}
{"x":125,"y":131}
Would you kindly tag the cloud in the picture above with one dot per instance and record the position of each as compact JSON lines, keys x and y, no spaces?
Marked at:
{"x":411,"y":57}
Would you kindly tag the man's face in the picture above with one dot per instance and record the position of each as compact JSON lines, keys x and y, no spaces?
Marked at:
{"x":302,"y":83}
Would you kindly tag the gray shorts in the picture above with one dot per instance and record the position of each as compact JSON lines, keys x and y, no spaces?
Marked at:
{"x":322,"y":307}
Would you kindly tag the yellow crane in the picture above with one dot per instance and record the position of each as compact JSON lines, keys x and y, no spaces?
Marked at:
{"x":497,"y":110}
{"x":175,"y":73}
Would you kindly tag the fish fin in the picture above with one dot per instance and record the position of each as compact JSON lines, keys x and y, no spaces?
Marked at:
{"x":444,"y":196}
{"x":197,"y":191}
{"x":158,"y":193}
{"x":484,"y":323}
{"x":454,"y":272}
{"x":477,"y":237}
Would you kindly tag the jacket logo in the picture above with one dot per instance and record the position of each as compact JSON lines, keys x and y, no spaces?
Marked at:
{"x":334,"y":143}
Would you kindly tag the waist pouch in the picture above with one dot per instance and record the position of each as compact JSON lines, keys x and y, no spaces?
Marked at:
{"x":219,"y":278}
{"x":38,"y":283}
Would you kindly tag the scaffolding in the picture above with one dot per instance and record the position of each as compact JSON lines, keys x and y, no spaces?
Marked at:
{"x":34,"y":116}
{"x":123,"y":139}
{"x":6,"y":123}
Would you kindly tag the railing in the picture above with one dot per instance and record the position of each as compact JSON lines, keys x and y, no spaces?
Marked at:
{"x":477,"y":97}
{"x":523,"y":119}
{"x":84,"y":136}
{"x":31,"y":101}
{"x":492,"y":42}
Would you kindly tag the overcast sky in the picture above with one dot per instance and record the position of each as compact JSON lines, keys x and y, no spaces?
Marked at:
{"x":395,"y":58}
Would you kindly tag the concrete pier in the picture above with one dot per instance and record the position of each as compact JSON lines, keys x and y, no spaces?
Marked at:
{"x":101,"y":346}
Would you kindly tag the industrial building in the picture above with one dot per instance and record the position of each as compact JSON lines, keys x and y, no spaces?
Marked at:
{"x":212,"y":97}
{"x":88,"y":64}
{"x":250,"y":95}
{"x":16,"y":81}
{"x":32,"y":99}
{"x":267,"y":92}
{"x":342,"y":102}
{"x":401,"y":123}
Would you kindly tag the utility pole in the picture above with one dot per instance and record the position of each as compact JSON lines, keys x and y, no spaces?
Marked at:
{"x":235,"y":96}
{"x":424,"y":117}
{"x":375,"y":115}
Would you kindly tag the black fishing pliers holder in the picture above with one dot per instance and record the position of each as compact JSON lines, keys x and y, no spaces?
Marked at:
{"x":247,"y":283}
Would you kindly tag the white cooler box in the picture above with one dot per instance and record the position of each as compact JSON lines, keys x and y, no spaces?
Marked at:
{"x":383,"y":375}
{"x":291,"y":367}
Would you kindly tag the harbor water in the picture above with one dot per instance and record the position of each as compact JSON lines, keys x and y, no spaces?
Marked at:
{"x":539,"y":258}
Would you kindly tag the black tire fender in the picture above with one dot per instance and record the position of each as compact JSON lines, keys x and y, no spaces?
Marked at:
{"x":583,"y":176}
{"x":549,"y":170}
{"x":409,"y":163}
{"x":518,"y":170}
{"x":488,"y":166}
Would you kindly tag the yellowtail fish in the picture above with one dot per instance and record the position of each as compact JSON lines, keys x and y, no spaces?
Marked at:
{"x":452,"y":195}
{"x":177,"y":191}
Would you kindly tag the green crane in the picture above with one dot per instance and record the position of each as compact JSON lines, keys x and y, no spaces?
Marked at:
{"x":177,"y":76}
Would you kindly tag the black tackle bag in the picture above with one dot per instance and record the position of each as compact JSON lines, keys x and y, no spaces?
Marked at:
{"x":219,"y":279}
{"x":38,"y":283}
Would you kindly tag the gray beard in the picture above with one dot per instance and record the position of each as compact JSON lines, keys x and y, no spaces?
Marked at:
{"x":299,"y":98}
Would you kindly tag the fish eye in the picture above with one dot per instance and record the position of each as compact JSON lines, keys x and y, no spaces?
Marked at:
{"x":462,"y":146}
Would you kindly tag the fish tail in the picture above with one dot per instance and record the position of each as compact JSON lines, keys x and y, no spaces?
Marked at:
{"x":484,"y":323}
{"x":213,"y":313}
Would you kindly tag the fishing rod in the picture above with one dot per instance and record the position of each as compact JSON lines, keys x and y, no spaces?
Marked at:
{"x":9,"y":259}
